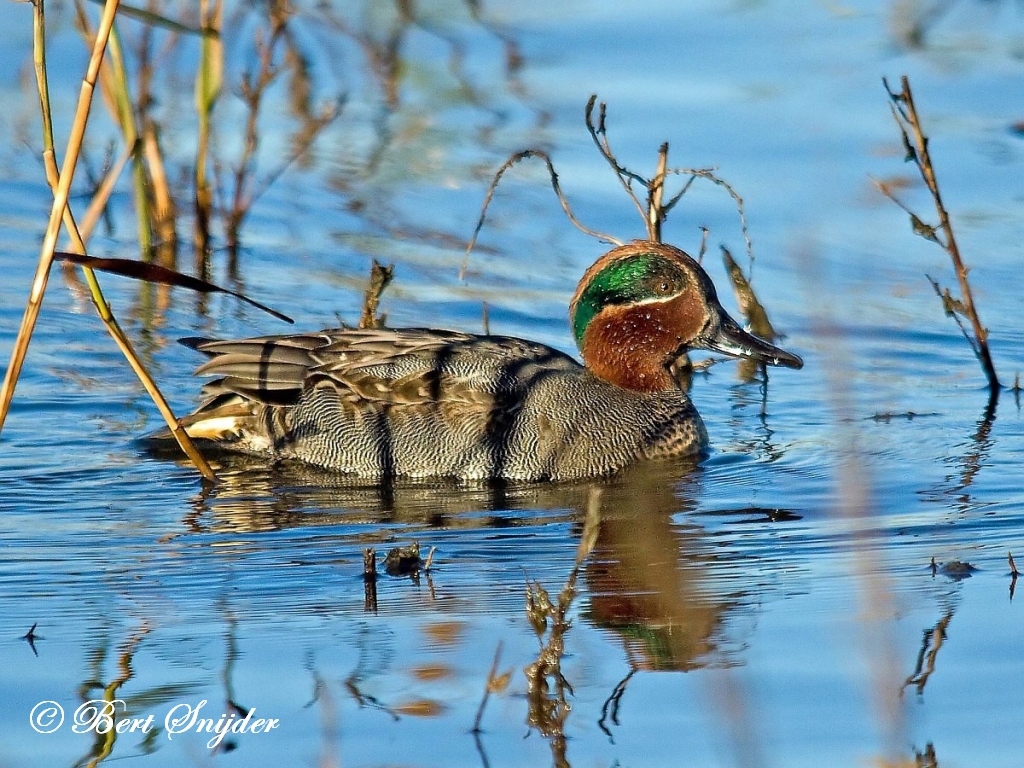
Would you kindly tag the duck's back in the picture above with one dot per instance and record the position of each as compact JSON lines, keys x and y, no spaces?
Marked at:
{"x":422,"y":403}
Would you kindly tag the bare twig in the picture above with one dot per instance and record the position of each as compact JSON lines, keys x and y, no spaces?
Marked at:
{"x":600,"y":136}
{"x":655,"y":192}
{"x":710,"y":175}
{"x":704,"y":232}
{"x":905,"y":114}
{"x":380,"y":278}
{"x":524,"y":155}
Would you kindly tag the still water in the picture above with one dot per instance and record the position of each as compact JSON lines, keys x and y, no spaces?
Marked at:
{"x":774,"y":606}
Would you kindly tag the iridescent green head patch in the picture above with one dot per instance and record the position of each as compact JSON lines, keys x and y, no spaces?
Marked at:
{"x":633,"y":280}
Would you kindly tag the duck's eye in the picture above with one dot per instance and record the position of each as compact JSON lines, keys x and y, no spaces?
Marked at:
{"x":664,"y":286}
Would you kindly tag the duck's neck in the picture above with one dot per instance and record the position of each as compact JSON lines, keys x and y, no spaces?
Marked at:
{"x":630,"y":347}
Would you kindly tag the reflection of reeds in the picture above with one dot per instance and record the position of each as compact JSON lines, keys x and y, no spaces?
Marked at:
{"x":253,"y":88}
{"x":114,"y":707}
{"x":114,"y":88}
{"x":550,"y":708}
{"x":930,"y":645}
{"x":915,"y":143}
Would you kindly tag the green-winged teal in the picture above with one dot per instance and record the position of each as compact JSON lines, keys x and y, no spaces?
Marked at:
{"x":416,"y":402}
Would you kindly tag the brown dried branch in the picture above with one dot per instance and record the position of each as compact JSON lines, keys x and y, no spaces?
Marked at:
{"x":380,"y":278}
{"x":916,"y":145}
{"x":655,"y":192}
{"x":656,"y":211}
{"x":600,"y":137}
{"x":710,"y":175}
{"x":524,"y":155}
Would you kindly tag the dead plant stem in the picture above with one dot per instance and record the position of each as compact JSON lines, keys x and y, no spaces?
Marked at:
{"x":60,"y":202}
{"x":60,"y":183}
{"x":906,"y":116}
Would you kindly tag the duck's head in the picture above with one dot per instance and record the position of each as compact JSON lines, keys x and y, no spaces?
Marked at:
{"x":643,"y":305}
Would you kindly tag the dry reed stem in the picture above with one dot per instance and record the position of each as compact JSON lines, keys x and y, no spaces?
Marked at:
{"x":60,"y":202}
{"x":855,"y":505}
{"x":655,"y":193}
{"x":60,"y":183}
{"x":524,"y":155}
{"x":905,"y":114}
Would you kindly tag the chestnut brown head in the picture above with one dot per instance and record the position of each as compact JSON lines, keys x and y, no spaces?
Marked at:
{"x":644,"y":304}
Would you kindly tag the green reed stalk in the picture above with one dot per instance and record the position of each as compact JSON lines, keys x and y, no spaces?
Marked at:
{"x":209,"y":78}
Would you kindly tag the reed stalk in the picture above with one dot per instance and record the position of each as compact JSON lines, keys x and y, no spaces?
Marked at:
{"x":113,"y":80}
{"x":209,"y":79}
{"x":60,"y":202}
{"x":61,"y":183}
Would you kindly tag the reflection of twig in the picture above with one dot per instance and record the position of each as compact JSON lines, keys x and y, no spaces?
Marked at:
{"x":548,"y":711}
{"x":252,"y":88}
{"x":495,"y":684}
{"x":930,"y":645}
{"x":1014,"y":573}
{"x":103,"y":745}
{"x":611,"y":704}
{"x":973,"y":460}
{"x":906,"y":117}
{"x":365,"y":699}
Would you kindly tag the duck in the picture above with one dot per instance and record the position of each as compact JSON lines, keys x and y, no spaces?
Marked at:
{"x":388,"y":403}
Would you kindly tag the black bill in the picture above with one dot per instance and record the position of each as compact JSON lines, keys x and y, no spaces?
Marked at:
{"x":729,"y":339}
